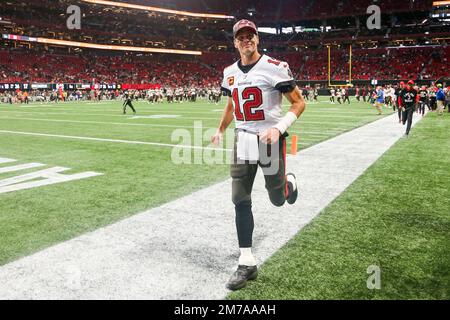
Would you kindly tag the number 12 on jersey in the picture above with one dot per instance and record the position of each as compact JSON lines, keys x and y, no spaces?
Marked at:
{"x":252,"y":98}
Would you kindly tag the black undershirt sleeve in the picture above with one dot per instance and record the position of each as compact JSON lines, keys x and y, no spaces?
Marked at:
{"x":286,"y":86}
{"x":226,"y":92}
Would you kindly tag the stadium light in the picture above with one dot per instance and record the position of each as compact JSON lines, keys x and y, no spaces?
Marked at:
{"x":163,"y":10}
{"x":441,"y":3}
{"x":97,"y":46}
{"x":267,"y":30}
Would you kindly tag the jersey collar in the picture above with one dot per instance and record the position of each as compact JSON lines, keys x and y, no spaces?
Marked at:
{"x":247,"y":68}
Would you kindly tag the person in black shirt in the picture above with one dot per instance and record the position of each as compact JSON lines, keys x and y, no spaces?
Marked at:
{"x":346,"y":96}
{"x":423,"y":100}
{"x":398,"y":101}
{"x":127,"y":102}
{"x":305,"y":93}
{"x":409,"y":99}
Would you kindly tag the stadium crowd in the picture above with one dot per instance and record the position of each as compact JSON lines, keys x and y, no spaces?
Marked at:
{"x":27,"y":65}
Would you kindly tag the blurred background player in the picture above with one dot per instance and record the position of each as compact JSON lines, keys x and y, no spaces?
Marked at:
{"x":151,"y":96}
{"x":432,"y":96}
{"x":379,"y":100}
{"x":305,"y":93}
{"x":357,"y":94}
{"x":338,"y":95}
{"x":345,"y":94}
{"x":332,"y":95}
{"x":316,"y":93}
{"x":128,"y":103}
{"x":398,"y":100}
{"x":169,"y":95}
{"x":311,"y":94}
{"x":388,"y":95}
{"x":440,"y":99}
{"x":364,"y":93}
{"x":409,"y":100}
{"x":447,"y":98}
{"x":423,"y":100}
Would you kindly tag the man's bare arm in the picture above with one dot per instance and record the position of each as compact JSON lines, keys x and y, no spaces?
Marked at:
{"x":297,"y":107}
{"x":227,"y":118}
{"x":297,"y":102}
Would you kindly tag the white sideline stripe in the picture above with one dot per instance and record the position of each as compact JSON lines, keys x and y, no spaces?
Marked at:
{"x":187,"y":249}
{"x":21,"y":167}
{"x":110,"y":140}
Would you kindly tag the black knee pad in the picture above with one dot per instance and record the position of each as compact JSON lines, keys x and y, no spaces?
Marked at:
{"x":240,"y":193}
{"x":241,"y":185}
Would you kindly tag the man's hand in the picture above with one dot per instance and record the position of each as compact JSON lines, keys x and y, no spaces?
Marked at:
{"x":217,"y":137}
{"x":270,"y":136}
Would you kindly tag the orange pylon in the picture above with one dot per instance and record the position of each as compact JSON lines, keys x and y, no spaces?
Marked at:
{"x":294,"y":145}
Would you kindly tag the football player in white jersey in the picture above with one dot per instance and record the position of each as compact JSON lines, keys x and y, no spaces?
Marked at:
{"x":255,"y":86}
{"x":332,"y":95}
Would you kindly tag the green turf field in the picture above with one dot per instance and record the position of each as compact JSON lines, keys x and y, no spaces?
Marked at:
{"x":137,"y":172}
{"x":396,"y":216}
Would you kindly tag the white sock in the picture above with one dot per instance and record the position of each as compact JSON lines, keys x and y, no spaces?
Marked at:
{"x":247,"y":258}
{"x":291,"y":178}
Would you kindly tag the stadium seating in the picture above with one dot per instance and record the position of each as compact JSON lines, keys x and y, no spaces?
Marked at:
{"x":305,"y":52}
{"x":21,"y":65}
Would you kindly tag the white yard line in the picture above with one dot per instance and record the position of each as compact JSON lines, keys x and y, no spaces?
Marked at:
{"x":36,"y":134}
{"x":21,"y":167}
{"x":301,"y":120}
{"x":105,"y":122}
{"x":152,"y":125}
{"x":187,"y":249}
{"x":316,"y":113}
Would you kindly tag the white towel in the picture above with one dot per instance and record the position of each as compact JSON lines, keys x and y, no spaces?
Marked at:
{"x":247,"y":146}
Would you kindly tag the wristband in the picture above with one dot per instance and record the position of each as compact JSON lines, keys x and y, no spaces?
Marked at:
{"x":286,"y":122}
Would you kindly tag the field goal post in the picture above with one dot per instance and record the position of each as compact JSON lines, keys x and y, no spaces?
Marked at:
{"x":349,"y":84}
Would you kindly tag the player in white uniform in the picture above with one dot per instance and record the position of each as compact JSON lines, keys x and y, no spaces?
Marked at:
{"x":332,"y":95}
{"x":169,"y":95}
{"x":151,"y":96}
{"x":338,"y":95}
{"x":255,"y":86}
